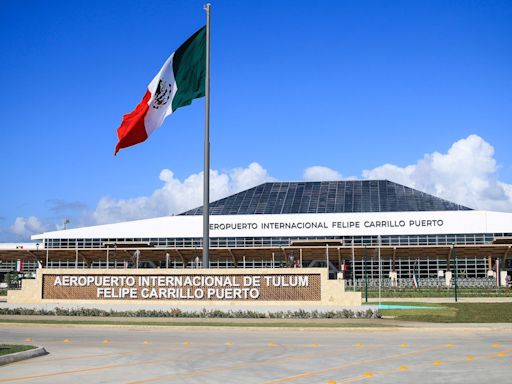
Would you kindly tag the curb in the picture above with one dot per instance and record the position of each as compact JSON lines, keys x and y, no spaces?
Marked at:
{"x":24,"y":355}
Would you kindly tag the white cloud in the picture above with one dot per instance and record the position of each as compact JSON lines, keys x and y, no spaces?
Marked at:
{"x":466,"y":174}
{"x":176,"y":196}
{"x":321,"y":173}
{"x":23,"y":227}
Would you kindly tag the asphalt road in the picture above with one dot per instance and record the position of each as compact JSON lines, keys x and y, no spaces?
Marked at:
{"x":193,"y":355}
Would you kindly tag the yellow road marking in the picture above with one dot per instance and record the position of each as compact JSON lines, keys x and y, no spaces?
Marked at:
{"x":404,"y":345}
{"x":315,"y":345}
{"x":358,"y":345}
{"x":186,"y":343}
{"x":67,"y":340}
{"x":496,"y":345}
{"x":229,"y":344}
{"x":106,"y":341}
{"x":146,"y":342}
{"x":365,"y":376}
{"x":437,"y":363}
{"x":449,"y":345}
{"x":105,"y":367}
{"x":22,"y":378}
{"x":405,"y":368}
{"x":331,"y":382}
{"x":470,"y":357}
{"x":193,"y":373}
{"x":501,"y":354}
{"x":206,"y":371}
{"x":343,"y":366}
{"x":368,"y":374}
{"x":28,"y":339}
{"x":49,"y":359}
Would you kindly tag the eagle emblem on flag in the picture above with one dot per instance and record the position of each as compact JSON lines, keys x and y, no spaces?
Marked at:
{"x":162,"y":94}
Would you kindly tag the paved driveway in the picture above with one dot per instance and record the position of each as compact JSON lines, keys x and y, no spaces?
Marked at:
{"x":224,"y":355}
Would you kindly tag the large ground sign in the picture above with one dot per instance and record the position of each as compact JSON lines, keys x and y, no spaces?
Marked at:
{"x":300,"y":287}
{"x":246,"y":287}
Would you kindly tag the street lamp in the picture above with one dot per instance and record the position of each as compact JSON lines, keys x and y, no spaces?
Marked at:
{"x":454,"y":255}
{"x":365,"y":276}
{"x":456,"y":273}
{"x":39,"y":264}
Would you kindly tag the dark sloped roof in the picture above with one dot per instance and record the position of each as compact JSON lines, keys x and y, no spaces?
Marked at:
{"x":328,"y":197}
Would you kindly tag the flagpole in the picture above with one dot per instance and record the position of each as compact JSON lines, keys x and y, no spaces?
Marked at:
{"x":206,"y":182}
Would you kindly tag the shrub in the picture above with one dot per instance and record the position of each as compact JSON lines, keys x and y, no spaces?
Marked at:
{"x":203,"y":313}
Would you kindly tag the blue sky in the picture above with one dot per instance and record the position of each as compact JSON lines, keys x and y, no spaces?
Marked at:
{"x":346,"y":86}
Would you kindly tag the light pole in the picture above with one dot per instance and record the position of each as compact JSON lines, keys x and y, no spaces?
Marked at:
{"x":456,"y":274}
{"x":39,"y":264}
{"x":365,"y":276}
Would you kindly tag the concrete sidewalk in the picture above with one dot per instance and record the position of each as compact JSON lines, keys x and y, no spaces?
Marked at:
{"x":234,"y":321}
{"x":242,"y":323}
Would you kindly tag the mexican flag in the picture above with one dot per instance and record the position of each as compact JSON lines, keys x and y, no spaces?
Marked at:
{"x":181,"y":80}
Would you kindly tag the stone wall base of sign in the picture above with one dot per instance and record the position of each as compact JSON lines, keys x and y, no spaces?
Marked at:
{"x":279,"y":287}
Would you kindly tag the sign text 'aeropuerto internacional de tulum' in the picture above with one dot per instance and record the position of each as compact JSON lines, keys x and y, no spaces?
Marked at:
{"x":234,"y":287}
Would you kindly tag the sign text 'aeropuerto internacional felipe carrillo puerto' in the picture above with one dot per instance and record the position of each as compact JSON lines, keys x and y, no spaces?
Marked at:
{"x":299,"y":225}
{"x":247,"y":287}
{"x":327,"y":225}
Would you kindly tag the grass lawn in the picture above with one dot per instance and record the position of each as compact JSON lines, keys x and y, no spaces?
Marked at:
{"x":6,"y":349}
{"x":440,"y":292}
{"x":454,"y":313}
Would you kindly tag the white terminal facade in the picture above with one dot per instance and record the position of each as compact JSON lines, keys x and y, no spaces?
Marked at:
{"x":376,"y":227}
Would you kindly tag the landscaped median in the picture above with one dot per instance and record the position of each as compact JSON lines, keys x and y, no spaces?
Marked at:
{"x":391,"y":314}
{"x":451,"y":312}
{"x":12,"y":353}
{"x":206,"y":318}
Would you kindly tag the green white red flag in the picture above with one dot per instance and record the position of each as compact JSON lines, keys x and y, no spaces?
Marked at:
{"x":181,"y":80}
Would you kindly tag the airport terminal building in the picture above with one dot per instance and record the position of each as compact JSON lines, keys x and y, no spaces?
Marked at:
{"x":355,"y":228}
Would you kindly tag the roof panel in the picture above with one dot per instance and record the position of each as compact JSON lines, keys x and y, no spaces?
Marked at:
{"x":328,"y":197}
